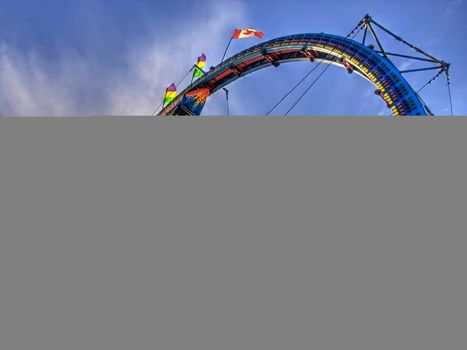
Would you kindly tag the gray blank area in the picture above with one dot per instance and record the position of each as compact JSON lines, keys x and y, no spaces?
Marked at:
{"x":246,"y":233}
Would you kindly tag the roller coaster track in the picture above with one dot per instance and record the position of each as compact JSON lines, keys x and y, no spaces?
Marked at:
{"x":353,"y":56}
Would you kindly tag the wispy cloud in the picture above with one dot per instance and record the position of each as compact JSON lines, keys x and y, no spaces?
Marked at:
{"x":158,"y":63}
{"x":27,"y":88}
{"x":75,"y":84}
{"x":406,"y":65}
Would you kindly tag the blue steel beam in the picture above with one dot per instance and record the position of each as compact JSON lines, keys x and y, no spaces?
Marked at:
{"x":399,"y":96}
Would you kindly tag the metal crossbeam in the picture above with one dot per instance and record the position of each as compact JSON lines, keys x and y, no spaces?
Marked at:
{"x":411,"y":57}
{"x":405,"y":42}
{"x":420,"y":69}
{"x":443,"y":66}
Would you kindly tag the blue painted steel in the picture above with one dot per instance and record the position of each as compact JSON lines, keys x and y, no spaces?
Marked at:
{"x":400,"y":97}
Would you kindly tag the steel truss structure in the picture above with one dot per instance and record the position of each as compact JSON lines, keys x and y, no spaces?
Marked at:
{"x":354,"y":56}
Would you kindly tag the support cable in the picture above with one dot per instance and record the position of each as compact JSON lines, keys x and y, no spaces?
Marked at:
{"x":308,"y":89}
{"x":310,"y":72}
{"x":155,"y":112}
{"x":293,"y":89}
{"x":443,"y":70}
{"x":449,"y":91}
{"x":321,"y":74}
{"x":425,"y":105}
{"x":430,"y":81}
{"x":364,"y":35}
{"x":424,"y":86}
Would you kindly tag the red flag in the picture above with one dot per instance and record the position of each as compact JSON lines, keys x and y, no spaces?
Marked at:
{"x":247,"y":33}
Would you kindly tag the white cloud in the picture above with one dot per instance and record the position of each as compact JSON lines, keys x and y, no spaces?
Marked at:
{"x":406,"y":65}
{"x":26,"y":88}
{"x":160,"y":63}
{"x":75,"y":84}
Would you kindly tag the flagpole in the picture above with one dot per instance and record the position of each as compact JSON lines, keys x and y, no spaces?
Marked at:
{"x":227,"y":49}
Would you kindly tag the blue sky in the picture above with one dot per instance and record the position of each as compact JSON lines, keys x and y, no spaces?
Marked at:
{"x":115,"y":57}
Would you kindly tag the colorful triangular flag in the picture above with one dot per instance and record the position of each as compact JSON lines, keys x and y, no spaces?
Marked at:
{"x":200,"y":64}
{"x":170,"y":94}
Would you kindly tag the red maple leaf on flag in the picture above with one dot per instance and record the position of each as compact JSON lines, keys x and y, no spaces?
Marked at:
{"x":247,"y":33}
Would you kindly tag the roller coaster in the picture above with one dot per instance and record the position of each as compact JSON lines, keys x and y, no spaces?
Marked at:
{"x":371,"y":63}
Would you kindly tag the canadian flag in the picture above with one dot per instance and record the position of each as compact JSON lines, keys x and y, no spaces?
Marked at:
{"x":247,"y":33}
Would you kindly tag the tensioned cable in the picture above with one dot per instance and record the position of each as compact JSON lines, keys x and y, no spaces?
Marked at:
{"x":448,"y":86}
{"x":294,"y":88}
{"x":309,"y":73}
{"x":449,"y":90}
{"x":319,"y":76}
{"x":430,"y":81}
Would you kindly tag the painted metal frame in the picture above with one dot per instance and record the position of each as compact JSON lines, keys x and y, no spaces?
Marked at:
{"x":354,"y":56}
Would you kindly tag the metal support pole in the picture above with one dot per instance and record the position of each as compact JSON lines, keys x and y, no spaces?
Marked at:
{"x":377,"y":41}
{"x":366,"y":22}
{"x":227,"y":99}
{"x":227,"y":49}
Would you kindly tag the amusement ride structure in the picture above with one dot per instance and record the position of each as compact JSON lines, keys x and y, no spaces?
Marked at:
{"x":373,"y":64}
